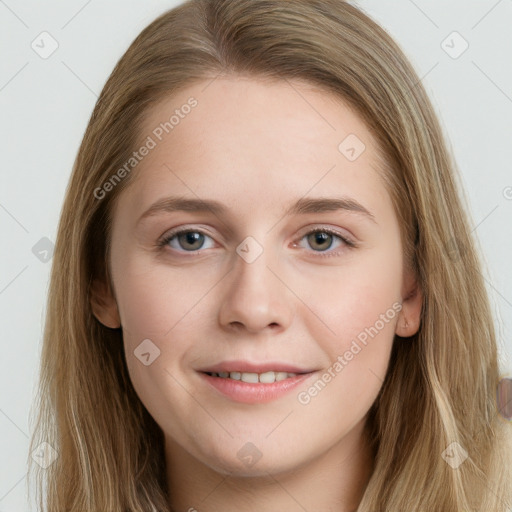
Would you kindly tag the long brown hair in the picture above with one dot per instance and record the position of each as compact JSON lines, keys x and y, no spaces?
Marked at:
{"x":441,"y":384}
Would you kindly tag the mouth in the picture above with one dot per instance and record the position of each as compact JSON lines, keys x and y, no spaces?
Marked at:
{"x":253,"y":387}
{"x":267,"y":377}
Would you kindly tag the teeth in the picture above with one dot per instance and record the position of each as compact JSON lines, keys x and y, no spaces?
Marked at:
{"x":249,"y":377}
{"x":253,"y":378}
{"x":268,"y":377}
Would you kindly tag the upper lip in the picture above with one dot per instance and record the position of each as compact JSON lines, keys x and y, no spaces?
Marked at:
{"x":248,"y":367}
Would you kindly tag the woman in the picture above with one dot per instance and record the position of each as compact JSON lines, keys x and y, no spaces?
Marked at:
{"x":264,"y":291}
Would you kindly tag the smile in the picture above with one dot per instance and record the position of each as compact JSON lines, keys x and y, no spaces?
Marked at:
{"x":253,"y":388}
{"x":253,"y":378}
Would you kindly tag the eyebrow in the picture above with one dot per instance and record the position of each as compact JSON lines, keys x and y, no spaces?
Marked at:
{"x":303,"y":206}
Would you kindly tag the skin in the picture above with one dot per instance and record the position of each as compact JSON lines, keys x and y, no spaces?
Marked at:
{"x":258,"y":147}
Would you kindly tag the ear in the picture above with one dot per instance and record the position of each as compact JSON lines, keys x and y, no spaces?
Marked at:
{"x":409,"y":318}
{"x":104,"y":305}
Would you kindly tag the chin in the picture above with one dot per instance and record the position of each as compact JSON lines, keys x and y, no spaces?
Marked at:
{"x":250,"y":462}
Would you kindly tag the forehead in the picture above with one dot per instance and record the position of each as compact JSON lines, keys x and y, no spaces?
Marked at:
{"x":245,"y":139}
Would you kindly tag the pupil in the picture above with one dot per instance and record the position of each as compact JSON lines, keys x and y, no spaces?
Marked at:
{"x":321,"y":237}
{"x":190,"y":237}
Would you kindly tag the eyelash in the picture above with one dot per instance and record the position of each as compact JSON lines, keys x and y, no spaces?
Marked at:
{"x":163,"y":242}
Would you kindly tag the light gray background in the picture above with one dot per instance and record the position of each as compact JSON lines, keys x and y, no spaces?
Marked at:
{"x":46,"y":103}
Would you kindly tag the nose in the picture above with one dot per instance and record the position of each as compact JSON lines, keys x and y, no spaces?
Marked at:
{"x":256,"y":298}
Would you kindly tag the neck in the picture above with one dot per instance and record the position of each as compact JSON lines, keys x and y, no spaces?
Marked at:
{"x":334,"y":480}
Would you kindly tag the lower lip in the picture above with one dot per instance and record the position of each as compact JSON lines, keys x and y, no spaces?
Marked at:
{"x":257,"y":393}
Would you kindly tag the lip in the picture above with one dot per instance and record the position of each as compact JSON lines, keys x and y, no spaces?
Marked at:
{"x":248,"y":367}
{"x":253,"y":393}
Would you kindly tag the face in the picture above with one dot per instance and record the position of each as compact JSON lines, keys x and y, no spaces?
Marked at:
{"x":268,"y":277}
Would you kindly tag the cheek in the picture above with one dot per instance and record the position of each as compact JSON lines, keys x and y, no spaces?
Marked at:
{"x":343,"y":394}
{"x":155,"y":299}
{"x":349,"y":299}
{"x":356,"y":311}
{"x":358,"y":358}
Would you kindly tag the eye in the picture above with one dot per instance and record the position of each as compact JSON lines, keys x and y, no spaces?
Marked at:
{"x":192,"y":240}
{"x":322,"y":239}
{"x":187,"y":240}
